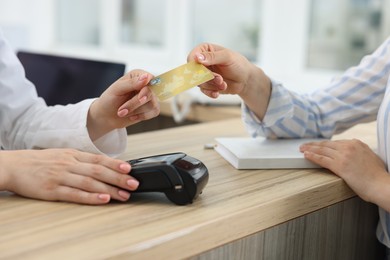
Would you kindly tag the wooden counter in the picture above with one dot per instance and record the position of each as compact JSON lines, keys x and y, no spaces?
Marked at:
{"x":198,"y":113}
{"x":205,"y":113}
{"x":266,"y":207}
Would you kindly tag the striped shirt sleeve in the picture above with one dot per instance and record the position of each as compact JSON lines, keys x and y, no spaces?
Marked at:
{"x":354,"y":97}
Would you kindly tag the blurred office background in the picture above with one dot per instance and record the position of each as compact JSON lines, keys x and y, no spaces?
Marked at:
{"x":302,"y":42}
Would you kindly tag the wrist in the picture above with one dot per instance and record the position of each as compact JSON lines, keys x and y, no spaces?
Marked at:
{"x":379,"y":191}
{"x":257,"y":91}
{"x":97,"y":125}
{"x":4,"y":178}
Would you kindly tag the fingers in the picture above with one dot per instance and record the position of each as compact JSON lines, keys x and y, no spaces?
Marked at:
{"x":139,"y":79}
{"x":93,"y":185}
{"x":134,"y":80}
{"x":141,"y":107}
{"x":101,"y":174}
{"x":222,"y":57}
{"x":144,"y":113}
{"x":210,"y":93}
{"x":106,"y":175}
{"x":144,"y":96}
{"x":331,"y":147}
{"x":111,"y":163}
{"x":216,"y":84}
{"x":203,"y":52}
{"x":70,"y":175}
{"x":214,"y":87}
{"x":322,"y":153}
{"x":325,"y":148}
{"x":235,"y":71}
{"x":334,"y":155}
{"x":69,"y":194}
{"x":319,"y":159}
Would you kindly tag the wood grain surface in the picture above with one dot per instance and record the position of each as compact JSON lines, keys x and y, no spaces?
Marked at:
{"x":234,"y":204}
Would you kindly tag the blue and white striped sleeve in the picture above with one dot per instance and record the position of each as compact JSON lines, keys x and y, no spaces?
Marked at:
{"x":353,"y":98}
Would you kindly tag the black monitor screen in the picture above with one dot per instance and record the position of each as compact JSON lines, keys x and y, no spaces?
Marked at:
{"x":64,"y":80}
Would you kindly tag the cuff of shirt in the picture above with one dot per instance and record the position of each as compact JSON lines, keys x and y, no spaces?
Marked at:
{"x":112,"y":144}
{"x":279,"y":107}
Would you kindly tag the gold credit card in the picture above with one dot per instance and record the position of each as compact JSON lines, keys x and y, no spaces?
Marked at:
{"x":179,"y":79}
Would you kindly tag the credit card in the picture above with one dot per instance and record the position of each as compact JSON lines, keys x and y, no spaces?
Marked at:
{"x":175,"y":81}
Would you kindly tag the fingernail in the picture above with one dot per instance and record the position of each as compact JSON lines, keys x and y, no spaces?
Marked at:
{"x":133,"y":118}
{"x":143,"y":99}
{"x":142,"y":77}
{"x":123,"y":112}
{"x":104,"y":197}
{"x":125,"y":167}
{"x":219,"y":80}
{"x":124,"y":194}
{"x":200,"y":57}
{"x":222,"y":87}
{"x":133,"y":184}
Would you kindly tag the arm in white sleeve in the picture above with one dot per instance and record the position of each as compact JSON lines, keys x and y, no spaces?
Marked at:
{"x":26,"y":122}
{"x":66,"y":126}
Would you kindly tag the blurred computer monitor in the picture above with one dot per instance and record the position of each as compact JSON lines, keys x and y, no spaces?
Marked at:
{"x":64,"y":80}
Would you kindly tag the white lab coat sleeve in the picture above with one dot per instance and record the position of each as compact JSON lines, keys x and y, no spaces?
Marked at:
{"x":65,"y":126}
{"x":26,"y":122}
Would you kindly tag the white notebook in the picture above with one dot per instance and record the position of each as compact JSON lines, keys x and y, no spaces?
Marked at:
{"x":261,"y":153}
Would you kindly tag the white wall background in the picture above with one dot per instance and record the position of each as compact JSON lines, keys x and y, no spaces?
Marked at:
{"x":33,"y":25}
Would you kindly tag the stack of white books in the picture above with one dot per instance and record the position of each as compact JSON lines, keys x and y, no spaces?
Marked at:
{"x":262,"y":153}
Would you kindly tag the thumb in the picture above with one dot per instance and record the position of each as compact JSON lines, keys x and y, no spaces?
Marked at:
{"x":204,"y":53}
{"x":217,"y":57}
{"x":134,"y":81}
